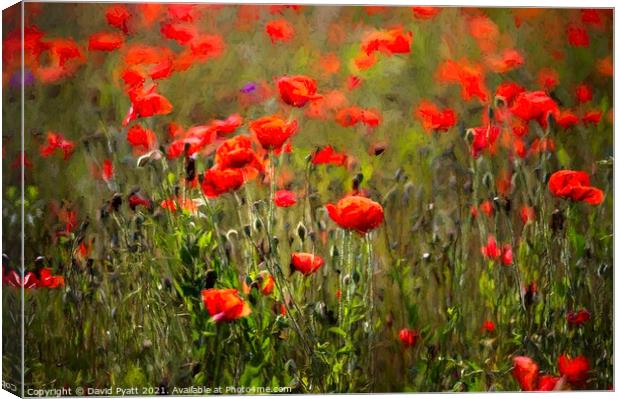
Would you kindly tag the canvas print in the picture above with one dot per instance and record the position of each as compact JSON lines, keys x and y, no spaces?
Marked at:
{"x":274,"y":199}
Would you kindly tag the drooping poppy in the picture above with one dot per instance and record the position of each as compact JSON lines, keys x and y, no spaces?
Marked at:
{"x":356,"y":213}
{"x":218,"y":181}
{"x":305,"y":263}
{"x":224,"y":304}
{"x":484,"y":138}
{"x":297,"y":90}
{"x":408,"y":337}
{"x":284,"y":198}
{"x":272,"y":132}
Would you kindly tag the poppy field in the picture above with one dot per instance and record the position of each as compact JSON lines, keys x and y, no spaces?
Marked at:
{"x":306,"y":199}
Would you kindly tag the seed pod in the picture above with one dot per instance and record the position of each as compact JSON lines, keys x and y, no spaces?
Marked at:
{"x":334,"y":251}
{"x":258,"y":226}
{"x":247,"y":230}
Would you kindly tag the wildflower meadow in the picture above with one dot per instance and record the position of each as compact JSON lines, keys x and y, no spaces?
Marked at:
{"x":306,"y":199}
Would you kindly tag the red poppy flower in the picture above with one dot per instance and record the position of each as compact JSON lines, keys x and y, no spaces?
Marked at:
{"x":267,"y":282}
{"x":136,"y":199}
{"x":528,"y":214}
{"x":592,"y":117}
{"x":468,"y":75}
{"x":574,"y":185}
{"x":237,"y":153}
{"x":356,"y":213}
{"x":577,"y":36}
{"x":433,"y":118}
{"x":592,"y":17}
{"x":488,"y":326}
{"x":297,"y":90}
{"x":182,"y":33}
{"x":57,"y":141}
{"x":536,"y":105}
{"x":393,"y":41}
{"x":228,"y":125}
{"x":174,"y":204}
{"x":327,"y":155}
{"x":578,"y":318}
{"x":284,"y":198}
{"x":107,"y":171}
{"x":508,"y":91}
{"x":141,"y":139}
{"x":224,"y":304}
{"x":46,"y":279}
{"x":105,"y":41}
{"x":605,"y":66}
{"x":272,"y":132}
{"x":583,"y":93}
{"x":14,"y":279}
{"x":280,"y":30}
{"x":150,"y":104}
{"x":204,"y":47}
{"x":218,"y":181}
{"x":491,"y":250}
{"x":547,"y":383}
{"x":506,"y":255}
{"x":353,"y":82}
{"x":485,"y":32}
{"x":542,"y":145}
{"x":63,"y":59}
{"x":425,"y":12}
{"x":575,"y":370}
{"x":408,"y":337}
{"x":525,"y":371}
{"x":487,"y":208}
{"x":305,"y":263}
{"x":118,"y":16}
{"x":567,"y":119}
{"x":509,"y":60}
{"x":548,"y":78}
{"x":484,"y":138}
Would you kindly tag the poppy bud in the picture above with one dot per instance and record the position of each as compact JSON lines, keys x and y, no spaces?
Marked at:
{"x":258,"y":225}
{"x":398,"y":174}
{"x":356,"y":276}
{"x":357,"y":180}
{"x":346,"y":280}
{"x":426,"y":256}
{"x":312,"y":236}
{"x":201,"y":177}
{"x":190,"y":169}
{"x":167,"y":282}
{"x":490,"y":113}
{"x":210,"y":278}
{"x":557,"y":220}
{"x":247,"y":230}
{"x":116,"y":202}
{"x":322,"y":225}
{"x":257,"y":205}
{"x":487,"y":180}
{"x":39,"y":261}
{"x":333,"y":252}
{"x":301,"y":231}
